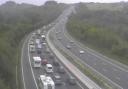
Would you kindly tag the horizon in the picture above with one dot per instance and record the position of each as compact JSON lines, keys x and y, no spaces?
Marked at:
{"x":39,"y":2}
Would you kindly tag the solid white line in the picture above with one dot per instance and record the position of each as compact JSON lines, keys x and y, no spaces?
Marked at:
{"x":16,"y":78}
{"x":80,"y":85}
{"x":89,"y":51}
{"x":22,"y":66}
{"x":90,"y":66}
{"x":31,"y":65}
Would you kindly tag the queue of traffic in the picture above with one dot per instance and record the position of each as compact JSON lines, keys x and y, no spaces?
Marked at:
{"x":50,"y":79}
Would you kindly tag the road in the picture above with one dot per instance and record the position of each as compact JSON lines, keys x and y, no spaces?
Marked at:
{"x":115,"y":74}
{"x":30,"y":74}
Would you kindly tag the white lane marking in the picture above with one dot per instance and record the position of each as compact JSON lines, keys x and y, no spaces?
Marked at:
{"x":76,"y":82}
{"x":104,"y":63}
{"x":16,"y":78}
{"x":95,"y":69}
{"x":114,"y":69}
{"x":69,"y":74}
{"x":31,"y":66}
{"x":79,"y":85}
{"x":102,"y":57}
{"x":104,"y":70}
{"x":22,"y":66}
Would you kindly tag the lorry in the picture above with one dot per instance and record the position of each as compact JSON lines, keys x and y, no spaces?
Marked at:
{"x":36,"y":62}
{"x":46,"y":82}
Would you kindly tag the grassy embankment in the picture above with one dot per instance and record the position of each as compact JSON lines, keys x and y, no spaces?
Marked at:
{"x":16,"y":21}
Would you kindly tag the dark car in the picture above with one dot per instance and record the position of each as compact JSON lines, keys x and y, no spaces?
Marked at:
{"x":51,"y":56}
{"x":38,"y":51}
{"x":56,"y":63}
{"x":61,"y":70}
{"x":71,"y":80}
{"x":57,"y":79}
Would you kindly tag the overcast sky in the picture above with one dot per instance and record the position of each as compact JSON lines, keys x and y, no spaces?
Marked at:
{"x":40,"y":2}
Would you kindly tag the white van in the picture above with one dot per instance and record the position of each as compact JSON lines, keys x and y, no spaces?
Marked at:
{"x":32,"y":48}
{"x":49,"y":68}
{"x":36,"y":62}
{"x":46,"y":82}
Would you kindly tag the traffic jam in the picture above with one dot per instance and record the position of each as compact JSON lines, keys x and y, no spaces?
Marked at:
{"x":49,"y":72}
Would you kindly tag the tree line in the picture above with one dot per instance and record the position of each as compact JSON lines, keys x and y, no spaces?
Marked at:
{"x":106,"y":30}
{"x":16,"y":21}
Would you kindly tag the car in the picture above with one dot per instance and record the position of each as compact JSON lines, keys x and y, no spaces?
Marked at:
{"x":31,"y":43}
{"x":59,"y":38}
{"x":57,"y":79}
{"x":44,"y":61}
{"x":81,"y":52}
{"x":71,"y":80}
{"x":56,"y":63}
{"x":58,"y":32}
{"x":68,"y":47}
{"x":61,"y":70}
{"x":71,"y":42}
{"x":38,"y":51}
{"x":51,"y":55}
{"x":49,"y":68}
{"x":43,"y":43}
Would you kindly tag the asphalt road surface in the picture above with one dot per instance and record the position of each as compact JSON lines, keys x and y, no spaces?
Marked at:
{"x":112,"y":72}
{"x":31,"y":74}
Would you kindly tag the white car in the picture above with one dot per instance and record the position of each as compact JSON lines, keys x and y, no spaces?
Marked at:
{"x":49,"y":68}
{"x":81,"y":52}
{"x":71,"y":42}
{"x":68,"y":47}
{"x":43,"y":43}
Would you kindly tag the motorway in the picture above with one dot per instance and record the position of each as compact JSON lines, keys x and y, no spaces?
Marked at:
{"x":110,"y":71}
{"x":30,"y":74}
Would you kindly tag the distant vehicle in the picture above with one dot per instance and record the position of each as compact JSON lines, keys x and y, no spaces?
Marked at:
{"x":39,"y":46}
{"x":56,"y":63}
{"x":38,"y":51}
{"x":58,"y":32}
{"x":38,"y":32}
{"x":43,"y":43}
{"x":49,"y":68}
{"x":44,"y":27}
{"x":47,"y":50}
{"x":59,"y":38}
{"x":61,"y":70}
{"x":33,"y":34}
{"x":36,"y":62}
{"x":51,"y":56}
{"x":32,"y":48}
{"x":57,"y":79}
{"x":71,"y":80}
{"x":81,"y":52}
{"x":71,"y":42}
{"x":68,"y":47}
{"x":31,"y":43}
{"x":44,"y":61}
{"x":37,"y":41}
{"x":43,"y":37}
{"x":46,"y":82}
